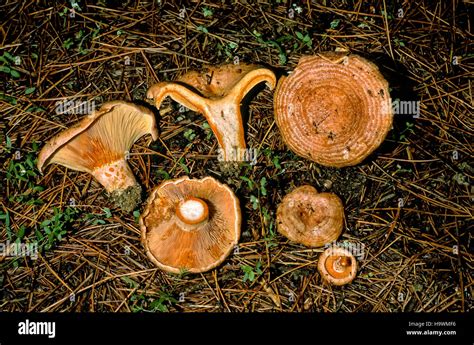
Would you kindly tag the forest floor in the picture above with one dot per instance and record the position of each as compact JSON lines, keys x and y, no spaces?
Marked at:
{"x":409,"y":205}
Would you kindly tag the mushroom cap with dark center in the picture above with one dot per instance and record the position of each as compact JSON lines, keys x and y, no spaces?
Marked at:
{"x":310,"y":218}
{"x":337,"y":265}
{"x":190,"y":224}
{"x":333,"y":109}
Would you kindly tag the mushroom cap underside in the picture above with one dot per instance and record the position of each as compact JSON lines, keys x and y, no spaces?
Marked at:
{"x":174,"y":246}
{"x":100,"y":138}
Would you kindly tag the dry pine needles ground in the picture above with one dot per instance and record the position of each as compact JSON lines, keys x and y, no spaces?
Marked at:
{"x":409,"y":204}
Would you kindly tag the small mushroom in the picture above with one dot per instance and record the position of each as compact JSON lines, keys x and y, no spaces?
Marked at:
{"x":99,"y":144}
{"x":220,"y":91}
{"x":190,"y":224}
{"x":310,"y":218}
{"x":333,"y":109}
{"x":337,"y":265}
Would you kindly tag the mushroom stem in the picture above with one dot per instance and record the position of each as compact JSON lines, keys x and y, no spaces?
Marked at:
{"x":222,"y":113}
{"x":115,"y":176}
{"x":193,"y":211}
{"x":340,"y":263}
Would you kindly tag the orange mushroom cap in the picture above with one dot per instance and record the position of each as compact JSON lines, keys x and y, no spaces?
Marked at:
{"x":333,"y":109}
{"x":220,"y":91}
{"x":310,"y":218}
{"x":99,"y":143}
{"x":190,"y":224}
{"x":337,"y":265}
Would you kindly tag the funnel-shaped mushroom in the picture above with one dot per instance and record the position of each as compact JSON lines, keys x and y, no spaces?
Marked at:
{"x":220,"y":92}
{"x":190,"y":224}
{"x":333,"y":109}
{"x":310,"y":218}
{"x":337,"y":265}
{"x":99,"y":145}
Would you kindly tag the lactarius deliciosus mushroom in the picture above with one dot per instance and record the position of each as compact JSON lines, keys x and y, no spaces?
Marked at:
{"x":310,"y":218}
{"x":337,"y":265}
{"x":190,"y":225}
{"x":217,"y":93}
{"x":333,"y":109}
{"x":99,"y":144}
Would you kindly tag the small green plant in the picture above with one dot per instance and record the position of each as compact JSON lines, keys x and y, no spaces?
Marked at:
{"x":408,"y":130}
{"x":97,"y":219}
{"x":251,"y":273}
{"x":334,"y":24}
{"x":207,"y":129}
{"x":305,"y":39}
{"x":202,"y":28}
{"x":144,"y":303}
{"x":228,"y":49}
{"x":183,"y":166}
{"x":207,"y":12}
{"x":189,"y":134}
{"x":255,"y":202}
{"x":52,"y":230}
{"x":276,"y":44}
{"x":5,"y":218}
{"x":272,"y":157}
{"x":7,"y":60}
{"x":136,"y":215}
{"x":81,"y":39}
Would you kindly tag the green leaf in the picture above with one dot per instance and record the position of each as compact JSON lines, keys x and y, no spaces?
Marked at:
{"x":202,"y":29}
{"x":263,"y":182}
{"x":249,"y":181}
{"x":5,"y":69}
{"x":136,"y":214}
{"x":14,"y":73}
{"x":254,"y":202}
{"x":9,"y":56}
{"x":108,"y":214}
{"x":335,"y":23}
{"x":30,"y":90}
{"x":130,"y":282}
{"x":68,"y":43}
{"x":282,"y":58}
{"x":9,"y":142}
{"x":207,"y":12}
{"x":299,"y":35}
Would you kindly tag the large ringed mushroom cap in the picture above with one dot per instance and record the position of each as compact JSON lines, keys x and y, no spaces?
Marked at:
{"x":190,"y":224}
{"x":337,"y":265}
{"x":99,"y":145}
{"x":220,"y":91}
{"x":310,"y":218}
{"x":333,"y":109}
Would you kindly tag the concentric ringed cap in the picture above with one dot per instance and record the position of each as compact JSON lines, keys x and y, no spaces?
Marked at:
{"x":333,"y":109}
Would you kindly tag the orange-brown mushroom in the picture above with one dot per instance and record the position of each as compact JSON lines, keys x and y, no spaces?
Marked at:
{"x":99,"y":144}
{"x":220,"y":91}
{"x":190,"y":225}
{"x":337,"y":265}
{"x":333,"y":109}
{"x":310,"y":218}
